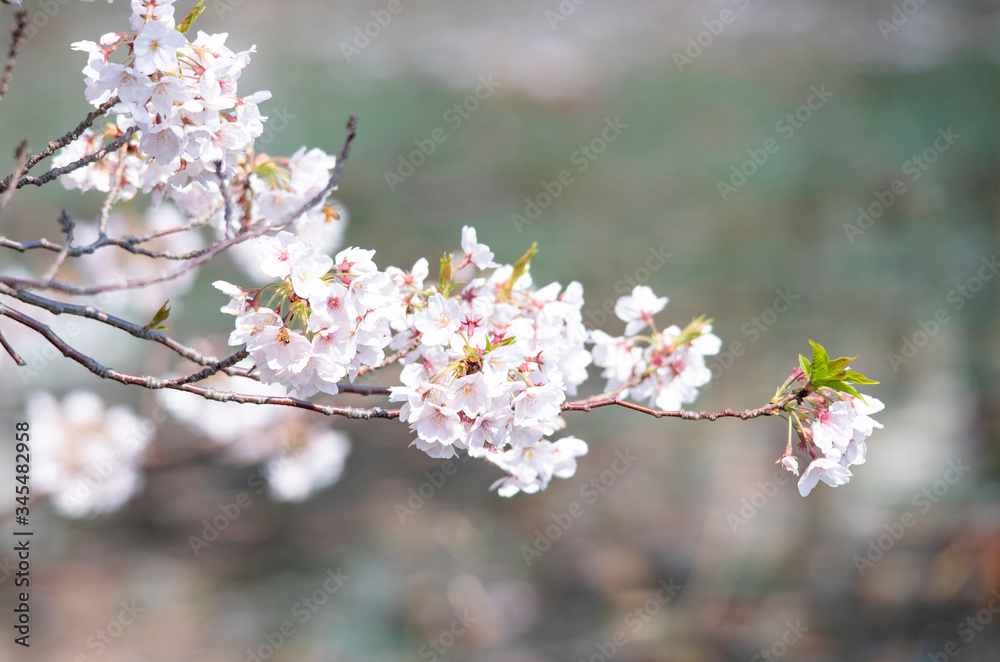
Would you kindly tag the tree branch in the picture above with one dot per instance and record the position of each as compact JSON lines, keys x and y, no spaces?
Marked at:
{"x":16,"y":39}
{"x":769,"y":409}
{"x":80,"y":163}
{"x":10,"y":350}
{"x":50,"y":149}
{"x":89,"y":312}
{"x":155,"y":383}
{"x":204,"y":255}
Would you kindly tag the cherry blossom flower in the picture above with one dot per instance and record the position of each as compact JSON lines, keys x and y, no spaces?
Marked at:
{"x":479,"y":254}
{"x":278,"y":253}
{"x":237,"y":297}
{"x":156,"y":47}
{"x":317,"y":463}
{"x":533,"y":467}
{"x":637,"y":309}
{"x":439,"y":321}
{"x":86,"y":456}
{"x":825,"y":469}
{"x":790,"y":463}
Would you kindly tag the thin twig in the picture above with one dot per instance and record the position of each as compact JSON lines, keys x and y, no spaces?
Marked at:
{"x":21,"y":154}
{"x":359,"y":390}
{"x":10,"y":350}
{"x":769,"y":409}
{"x":80,"y":163}
{"x":226,"y":198}
{"x":207,"y":393}
{"x":89,"y":312}
{"x":210,"y":370}
{"x":389,"y":360}
{"x":117,"y":178}
{"x":200,"y":256}
{"x":16,"y":39}
{"x":352,"y":127}
{"x":21,"y":247}
{"x":50,"y":149}
{"x":128,"y":242}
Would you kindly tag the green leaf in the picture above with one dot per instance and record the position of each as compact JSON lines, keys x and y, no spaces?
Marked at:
{"x":162,"y":314}
{"x":842,"y":387}
{"x":185,"y":25}
{"x":820,"y":367}
{"x":858,"y":378}
{"x":444,"y":278}
{"x":692,"y":331}
{"x":520,"y":268}
{"x":842,"y":362}
{"x":804,"y":363}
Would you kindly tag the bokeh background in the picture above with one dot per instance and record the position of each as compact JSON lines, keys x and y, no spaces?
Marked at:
{"x":758,"y":571}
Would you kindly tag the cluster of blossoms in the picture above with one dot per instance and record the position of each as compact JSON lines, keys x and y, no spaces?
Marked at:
{"x":88,"y":458}
{"x":323,"y":319}
{"x":181,"y":96}
{"x":840,"y":425}
{"x":495,"y":361}
{"x":666,"y":368}
{"x":830,"y":418}
{"x":489,"y":359}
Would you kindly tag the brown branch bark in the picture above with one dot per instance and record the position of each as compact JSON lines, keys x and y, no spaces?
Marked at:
{"x":769,"y":409}
{"x":50,"y":149}
{"x":208,"y":393}
{"x":89,"y":312}
{"x":205,"y":254}
{"x":80,"y":163}
{"x":10,"y":350}
{"x":16,"y":39}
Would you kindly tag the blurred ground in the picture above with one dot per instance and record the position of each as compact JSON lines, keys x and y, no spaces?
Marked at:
{"x":693,"y":553}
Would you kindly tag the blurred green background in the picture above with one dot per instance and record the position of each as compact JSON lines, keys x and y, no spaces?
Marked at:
{"x":699,"y":510}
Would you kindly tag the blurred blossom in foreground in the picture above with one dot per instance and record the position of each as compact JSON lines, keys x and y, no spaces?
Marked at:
{"x":86,"y":457}
{"x":300,"y":453}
